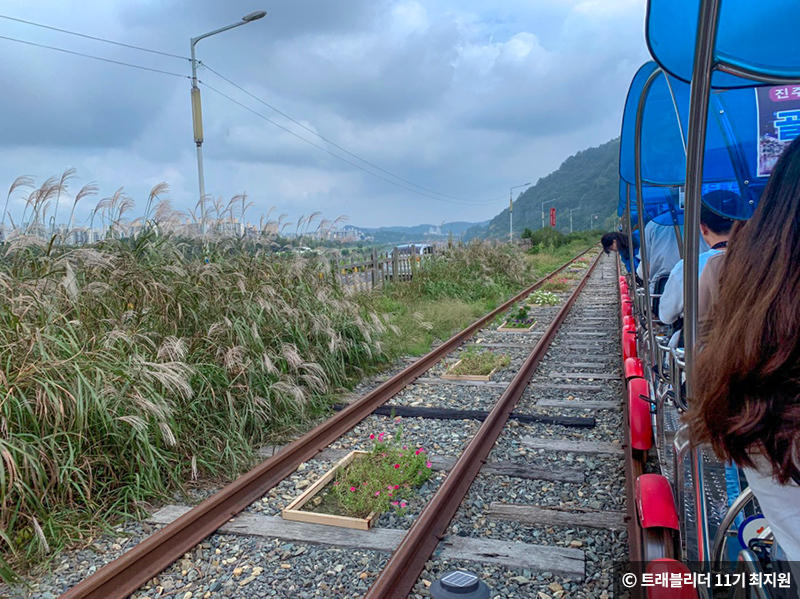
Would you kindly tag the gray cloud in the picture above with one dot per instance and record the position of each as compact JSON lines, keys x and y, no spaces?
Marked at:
{"x":464,"y":97}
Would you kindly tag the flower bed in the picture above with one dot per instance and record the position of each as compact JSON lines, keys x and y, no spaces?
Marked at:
{"x":544,"y":298}
{"x":519,"y":321}
{"x":476,"y":366}
{"x":362,"y":485}
{"x":557,"y":285}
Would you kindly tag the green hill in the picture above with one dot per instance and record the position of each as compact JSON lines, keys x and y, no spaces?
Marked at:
{"x":587,"y":181}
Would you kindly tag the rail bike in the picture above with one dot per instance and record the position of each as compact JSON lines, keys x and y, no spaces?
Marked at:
{"x":712,"y":111}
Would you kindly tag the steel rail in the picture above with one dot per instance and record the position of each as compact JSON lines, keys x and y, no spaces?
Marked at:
{"x":402,"y":571}
{"x":121,"y":577}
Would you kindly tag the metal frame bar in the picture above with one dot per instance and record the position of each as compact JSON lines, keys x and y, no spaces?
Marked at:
{"x":637,"y":161}
{"x":707,"y":22}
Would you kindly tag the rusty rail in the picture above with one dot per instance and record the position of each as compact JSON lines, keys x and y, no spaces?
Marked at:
{"x":121,"y":577}
{"x":402,"y":571}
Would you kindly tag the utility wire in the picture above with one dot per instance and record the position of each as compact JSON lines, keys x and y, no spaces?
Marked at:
{"x":353,"y":164}
{"x":91,"y":37}
{"x":335,"y":145}
{"x":462,"y":201}
{"x":125,"y":64}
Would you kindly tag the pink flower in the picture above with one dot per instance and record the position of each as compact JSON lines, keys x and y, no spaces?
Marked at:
{"x":336,"y":482}
{"x":397,"y":465}
{"x":405,"y":447}
{"x":377,"y":493}
{"x":401,"y":455}
{"x":389,"y":493}
{"x":380,"y":437}
{"x":352,"y":488}
{"x":397,"y":486}
{"x":416,"y":452}
{"x":364,"y":483}
{"x":395,"y":503}
{"x":372,"y":436}
{"x":428,"y":464}
{"x":403,"y":504}
{"x":389,"y":487}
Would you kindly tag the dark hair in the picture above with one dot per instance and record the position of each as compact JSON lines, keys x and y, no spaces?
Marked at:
{"x":711,"y":218}
{"x":748,"y":372}
{"x":608,"y":240}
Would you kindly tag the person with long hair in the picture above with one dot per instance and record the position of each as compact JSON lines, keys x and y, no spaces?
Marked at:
{"x":747,"y":400}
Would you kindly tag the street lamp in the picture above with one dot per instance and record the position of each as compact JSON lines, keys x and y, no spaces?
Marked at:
{"x":543,"y":203}
{"x":197,"y":113}
{"x":511,"y":211}
{"x":594,"y":218}
{"x":570,"y":218}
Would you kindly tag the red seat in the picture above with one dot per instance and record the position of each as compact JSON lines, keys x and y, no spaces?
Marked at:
{"x":629,"y":342}
{"x":640,"y":425}
{"x":655,"y":503}
{"x":669,"y":571}
{"x":627,"y":308}
{"x":633,"y":367}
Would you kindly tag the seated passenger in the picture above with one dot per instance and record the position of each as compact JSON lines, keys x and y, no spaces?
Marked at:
{"x":617,"y":242}
{"x":747,"y":399}
{"x":715,"y":230}
{"x":663,"y":253}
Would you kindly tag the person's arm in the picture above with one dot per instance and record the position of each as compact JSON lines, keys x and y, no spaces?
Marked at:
{"x":670,"y":307}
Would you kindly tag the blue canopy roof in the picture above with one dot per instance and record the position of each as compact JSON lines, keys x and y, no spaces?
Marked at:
{"x":760,"y":37}
{"x":747,"y":130}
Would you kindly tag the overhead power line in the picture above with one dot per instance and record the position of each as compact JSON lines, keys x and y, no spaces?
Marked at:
{"x":327,"y":151}
{"x":91,"y":37}
{"x":337,"y":146}
{"x":117,"y":62}
{"x":450,"y":198}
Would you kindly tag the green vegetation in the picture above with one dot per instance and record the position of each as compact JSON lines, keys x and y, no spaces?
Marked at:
{"x":480,"y":363}
{"x":557,"y":285}
{"x":383,"y":479}
{"x":132,"y":367}
{"x":520,"y":318}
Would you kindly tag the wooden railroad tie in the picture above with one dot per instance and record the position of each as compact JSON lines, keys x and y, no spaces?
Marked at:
{"x":555,"y":516}
{"x":543,"y":558}
{"x":450,"y":414}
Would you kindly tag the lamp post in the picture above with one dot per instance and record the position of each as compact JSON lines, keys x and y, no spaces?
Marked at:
{"x":511,"y":211}
{"x":543,"y":203}
{"x":570,"y":218}
{"x":197,"y":113}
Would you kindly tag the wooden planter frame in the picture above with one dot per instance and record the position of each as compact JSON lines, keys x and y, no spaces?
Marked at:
{"x":504,"y":329}
{"x":466,"y":377}
{"x":294,"y":510}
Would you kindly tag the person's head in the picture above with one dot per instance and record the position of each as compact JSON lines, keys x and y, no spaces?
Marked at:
{"x":748,"y":374}
{"x":614,"y":242}
{"x":713,"y":226}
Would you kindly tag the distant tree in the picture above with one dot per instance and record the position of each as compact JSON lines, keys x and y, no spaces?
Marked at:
{"x":527,"y":233}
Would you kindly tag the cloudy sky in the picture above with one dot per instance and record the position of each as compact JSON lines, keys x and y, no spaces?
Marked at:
{"x":462,"y":97}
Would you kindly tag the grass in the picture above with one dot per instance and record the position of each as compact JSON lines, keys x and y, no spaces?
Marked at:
{"x":479,"y":363}
{"x":136,"y":365}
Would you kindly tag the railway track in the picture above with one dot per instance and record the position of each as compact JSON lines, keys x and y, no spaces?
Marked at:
{"x":535,"y":503}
